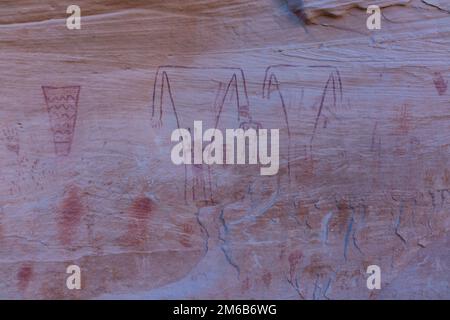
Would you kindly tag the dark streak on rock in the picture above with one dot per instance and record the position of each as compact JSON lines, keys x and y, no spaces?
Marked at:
{"x":224,"y":246}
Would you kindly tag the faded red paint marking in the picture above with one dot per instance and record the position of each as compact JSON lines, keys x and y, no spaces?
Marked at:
{"x":339,"y":222}
{"x":303,"y":212}
{"x":267,"y":279}
{"x":69,"y":216}
{"x":11,"y":137}
{"x":24,"y":276}
{"x":141,"y":208}
{"x":294,"y":260}
{"x":440,"y":83}
{"x":403,"y":120}
{"x":1,"y":223}
{"x":445,"y":179}
{"x":187,"y":232}
{"x":306,"y":171}
{"x":137,"y":230}
{"x":245,"y":285}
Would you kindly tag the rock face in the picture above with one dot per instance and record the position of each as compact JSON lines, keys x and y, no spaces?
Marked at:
{"x":87,"y":179}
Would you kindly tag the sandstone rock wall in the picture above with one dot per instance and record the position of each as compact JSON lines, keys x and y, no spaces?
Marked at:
{"x":86,"y":176}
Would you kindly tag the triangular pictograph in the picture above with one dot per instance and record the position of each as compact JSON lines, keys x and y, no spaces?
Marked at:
{"x":62,"y":107}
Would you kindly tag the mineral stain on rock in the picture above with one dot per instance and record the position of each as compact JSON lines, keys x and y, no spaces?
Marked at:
{"x":297,"y":7}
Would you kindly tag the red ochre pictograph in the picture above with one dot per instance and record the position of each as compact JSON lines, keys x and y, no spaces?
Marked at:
{"x":62,"y":107}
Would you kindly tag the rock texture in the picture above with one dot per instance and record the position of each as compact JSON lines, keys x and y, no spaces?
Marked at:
{"x":87,"y":179}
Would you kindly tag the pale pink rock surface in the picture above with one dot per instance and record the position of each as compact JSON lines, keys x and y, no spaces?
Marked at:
{"x":364,"y":140}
